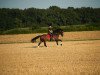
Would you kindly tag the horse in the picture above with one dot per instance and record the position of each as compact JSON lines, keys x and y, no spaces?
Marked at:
{"x":45,"y":37}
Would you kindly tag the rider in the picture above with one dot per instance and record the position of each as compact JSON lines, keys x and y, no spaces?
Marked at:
{"x":50,"y":32}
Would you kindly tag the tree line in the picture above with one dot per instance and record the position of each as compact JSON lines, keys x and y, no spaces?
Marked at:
{"x":33,"y":17}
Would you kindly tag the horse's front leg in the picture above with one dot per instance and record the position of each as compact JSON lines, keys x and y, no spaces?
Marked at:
{"x":61,"y":43}
{"x":59,"y":40}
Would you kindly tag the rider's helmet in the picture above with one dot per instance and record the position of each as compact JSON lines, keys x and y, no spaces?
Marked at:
{"x":50,"y":27}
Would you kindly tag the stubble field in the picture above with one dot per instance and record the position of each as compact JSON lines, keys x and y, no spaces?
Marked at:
{"x":79,"y":55}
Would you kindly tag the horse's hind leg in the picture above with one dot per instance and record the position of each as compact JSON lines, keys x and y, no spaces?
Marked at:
{"x":56,"y":42}
{"x":39,"y":43}
{"x":45,"y":44}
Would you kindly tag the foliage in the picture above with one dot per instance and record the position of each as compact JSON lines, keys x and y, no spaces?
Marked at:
{"x":11,"y":20}
{"x":18,"y":31}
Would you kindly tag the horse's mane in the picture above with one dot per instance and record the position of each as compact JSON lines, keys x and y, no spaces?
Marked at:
{"x":57,"y":30}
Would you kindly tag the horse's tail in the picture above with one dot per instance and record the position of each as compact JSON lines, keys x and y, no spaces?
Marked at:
{"x":34,"y":39}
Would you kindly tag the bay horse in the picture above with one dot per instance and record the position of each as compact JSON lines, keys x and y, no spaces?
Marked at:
{"x":45,"y":37}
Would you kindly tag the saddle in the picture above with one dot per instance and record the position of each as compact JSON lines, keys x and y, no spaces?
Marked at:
{"x":50,"y":37}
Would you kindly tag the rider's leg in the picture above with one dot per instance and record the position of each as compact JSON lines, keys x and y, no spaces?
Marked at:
{"x":51,"y":36}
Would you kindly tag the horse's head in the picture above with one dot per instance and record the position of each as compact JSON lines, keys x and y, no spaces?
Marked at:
{"x":58,"y":31}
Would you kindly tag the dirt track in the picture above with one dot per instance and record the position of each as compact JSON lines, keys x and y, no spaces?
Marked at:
{"x":73,"y":58}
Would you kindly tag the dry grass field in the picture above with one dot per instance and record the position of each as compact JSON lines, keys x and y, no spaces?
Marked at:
{"x":20,"y":38}
{"x":80,"y":57}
